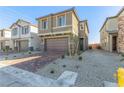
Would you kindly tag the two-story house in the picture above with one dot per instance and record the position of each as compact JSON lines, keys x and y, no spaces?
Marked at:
{"x":61,"y":32}
{"x":112,"y":33}
{"x":108,"y":34}
{"x":24,"y":36}
{"x":5,"y":39}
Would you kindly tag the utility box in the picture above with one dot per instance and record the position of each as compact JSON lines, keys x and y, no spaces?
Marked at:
{"x":120,"y":77}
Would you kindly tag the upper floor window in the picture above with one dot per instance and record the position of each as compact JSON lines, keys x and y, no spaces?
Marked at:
{"x":61,"y":20}
{"x":81,"y":27}
{"x":25,"y":30}
{"x":2,"y":34}
{"x":14,"y":31}
{"x":44,"y":24}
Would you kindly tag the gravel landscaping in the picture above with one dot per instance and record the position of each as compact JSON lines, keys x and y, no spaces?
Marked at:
{"x":93,"y":68}
{"x":11,"y":56}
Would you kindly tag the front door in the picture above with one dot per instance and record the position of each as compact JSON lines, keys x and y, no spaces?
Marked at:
{"x":114,"y":43}
{"x":81,"y":44}
{"x":1,"y":45}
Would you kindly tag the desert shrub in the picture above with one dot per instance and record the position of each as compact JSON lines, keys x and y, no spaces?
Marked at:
{"x":10,"y":49}
{"x":4,"y":49}
{"x":63,"y":56}
{"x":14,"y":56}
{"x":79,"y":53}
{"x":90,"y":47}
{"x":80,"y":58}
{"x":122,"y":54}
{"x":122,"y":59}
{"x":52,"y":71}
{"x":98,"y":47}
{"x":6,"y":58}
{"x":54,"y":62}
{"x":66,"y":53}
{"x":29,"y":52}
{"x":64,"y":66}
{"x":77,"y":66}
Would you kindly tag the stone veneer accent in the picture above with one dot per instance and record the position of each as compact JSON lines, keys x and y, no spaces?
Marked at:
{"x":120,"y":42}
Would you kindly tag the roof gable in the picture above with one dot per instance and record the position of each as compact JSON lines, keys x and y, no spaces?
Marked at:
{"x":68,"y":10}
{"x":19,"y":22}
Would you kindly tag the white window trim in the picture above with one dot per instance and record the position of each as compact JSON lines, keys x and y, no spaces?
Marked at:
{"x":27,"y":27}
{"x":2,"y":34}
{"x":42,"y":24}
{"x":62,"y":26}
{"x":82,"y":25}
{"x":57,"y":21}
{"x":14,"y":32}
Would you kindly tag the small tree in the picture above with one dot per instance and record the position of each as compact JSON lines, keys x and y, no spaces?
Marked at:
{"x":74,"y":46}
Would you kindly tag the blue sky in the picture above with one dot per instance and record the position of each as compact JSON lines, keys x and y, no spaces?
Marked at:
{"x":95,"y":15}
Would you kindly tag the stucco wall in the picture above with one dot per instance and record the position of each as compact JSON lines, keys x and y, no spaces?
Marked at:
{"x":6,"y":38}
{"x":111,"y":24}
{"x":35,"y":40}
{"x":75,"y":25}
{"x":121,"y":34}
{"x":120,"y":39}
{"x":52,"y":23}
{"x":104,"y":39}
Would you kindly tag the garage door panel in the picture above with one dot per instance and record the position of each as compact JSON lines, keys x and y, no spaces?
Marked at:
{"x":60,"y":44}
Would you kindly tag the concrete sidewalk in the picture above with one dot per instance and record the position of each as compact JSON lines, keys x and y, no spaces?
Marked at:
{"x":7,"y":80}
{"x":15,"y":77}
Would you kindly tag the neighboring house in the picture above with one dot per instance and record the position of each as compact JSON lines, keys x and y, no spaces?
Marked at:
{"x":5,"y":39}
{"x":63,"y":31}
{"x":112,"y":33}
{"x":24,"y":36}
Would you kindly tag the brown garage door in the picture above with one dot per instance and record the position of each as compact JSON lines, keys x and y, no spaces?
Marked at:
{"x":57,"y":44}
{"x":24,"y":45}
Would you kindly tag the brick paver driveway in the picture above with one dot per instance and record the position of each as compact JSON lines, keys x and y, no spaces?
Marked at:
{"x":33,"y":62}
{"x":42,"y":60}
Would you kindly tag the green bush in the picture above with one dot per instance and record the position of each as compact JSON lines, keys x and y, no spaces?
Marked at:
{"x":4,"y":49}
{"x":29,"y":52}
{"x":6,"y":58}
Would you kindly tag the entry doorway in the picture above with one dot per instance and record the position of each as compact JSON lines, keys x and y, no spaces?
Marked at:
{"x":114,"y":43}
{"x":1,"y":45}
{"x":81,"y":44}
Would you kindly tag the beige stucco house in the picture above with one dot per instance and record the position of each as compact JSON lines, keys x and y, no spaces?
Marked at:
{"x":112,"y":33}
{"x":63,"y":31}
{"x":5,"y":39}
{"x":24,"y":36}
